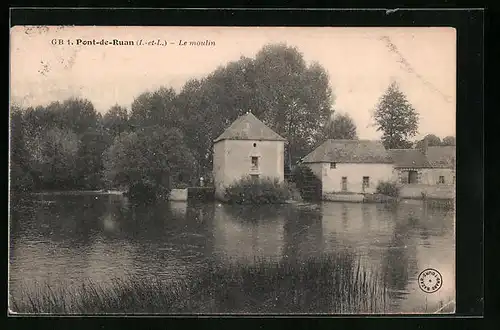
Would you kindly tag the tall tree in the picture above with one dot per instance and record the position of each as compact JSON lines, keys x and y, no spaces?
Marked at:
{"x":115,"y":121}
{"x":277,"y":86}
{"x":77,"y":115}
{"x":342,"y":127}
{"x":155,"y":108}
{"x":449,"y":141}
{"x":20,"y":175}
{"x":54,"y":157}
{"x":396,"y":118}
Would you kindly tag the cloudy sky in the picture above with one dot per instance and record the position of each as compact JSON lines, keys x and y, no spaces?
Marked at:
{"x":361,"y":63}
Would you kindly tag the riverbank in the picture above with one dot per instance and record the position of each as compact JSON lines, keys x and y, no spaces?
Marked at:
{"x":327,"y":284}
{"x":78,"y":192}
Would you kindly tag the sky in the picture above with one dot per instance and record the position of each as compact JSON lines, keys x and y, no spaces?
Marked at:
{"x":361,"y":63}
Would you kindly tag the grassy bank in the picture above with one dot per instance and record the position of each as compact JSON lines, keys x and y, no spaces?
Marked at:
{"x":328,"y":284}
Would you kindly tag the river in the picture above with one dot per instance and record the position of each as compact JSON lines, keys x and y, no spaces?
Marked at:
{"x":62,"y":240}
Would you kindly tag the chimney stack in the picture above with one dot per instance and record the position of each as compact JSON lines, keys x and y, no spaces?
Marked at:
{"x":425,"y":146}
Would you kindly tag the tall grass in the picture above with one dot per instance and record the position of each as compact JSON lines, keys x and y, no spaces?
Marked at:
{"x":326,"y":284}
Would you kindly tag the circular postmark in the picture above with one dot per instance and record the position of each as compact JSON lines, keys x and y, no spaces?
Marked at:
{"x":430,"y":280}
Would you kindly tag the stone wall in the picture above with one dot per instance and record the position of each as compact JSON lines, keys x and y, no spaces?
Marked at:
{"x":441,"y":191}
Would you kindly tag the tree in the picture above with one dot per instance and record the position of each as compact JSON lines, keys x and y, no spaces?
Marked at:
{"x":155,"y":108}
{"x":90,"y":165}
{"x":77,"y":115}
{"x":396,"y":118}
{"x":342,"y":127}
{"x":115,"y":121}
{"x":149,"y":162}
{"x":277,"y":86}
{"x":54,"y":157}
{"x":432,"y":141}
{"x":449,"y":141}
{"x":296,"y":99}
{"x":20,"y":176}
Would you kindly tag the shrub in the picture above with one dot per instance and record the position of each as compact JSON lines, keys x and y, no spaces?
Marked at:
{"x":388,"y":188}
{"x":263,"y":191}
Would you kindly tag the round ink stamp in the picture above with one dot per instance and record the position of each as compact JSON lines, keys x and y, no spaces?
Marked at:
{"x":430,"y":280}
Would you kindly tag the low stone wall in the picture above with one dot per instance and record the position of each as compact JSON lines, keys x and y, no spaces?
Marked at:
{"x":358,"y":198}
{"x":178,"y":195}
{"x":430,"y":191}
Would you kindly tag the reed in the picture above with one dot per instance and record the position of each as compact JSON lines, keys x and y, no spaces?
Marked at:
{"x":327,"y":284}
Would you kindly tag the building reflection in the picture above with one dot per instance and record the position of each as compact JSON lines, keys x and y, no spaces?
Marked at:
{"x":244,"y":233}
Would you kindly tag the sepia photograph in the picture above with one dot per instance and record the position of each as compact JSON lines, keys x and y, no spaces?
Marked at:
{"x":232,"y":170}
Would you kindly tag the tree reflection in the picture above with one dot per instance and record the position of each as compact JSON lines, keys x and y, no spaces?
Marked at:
{"x":400,"y":261}
{"x":303,"y":233}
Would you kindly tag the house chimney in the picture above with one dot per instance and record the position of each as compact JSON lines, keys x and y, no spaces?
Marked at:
{"x":425,"y":146}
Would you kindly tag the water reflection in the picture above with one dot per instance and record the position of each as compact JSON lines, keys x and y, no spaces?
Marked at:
{"x":102,"y":237}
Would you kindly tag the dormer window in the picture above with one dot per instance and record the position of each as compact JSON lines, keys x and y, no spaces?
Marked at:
{"x":333,"y":165}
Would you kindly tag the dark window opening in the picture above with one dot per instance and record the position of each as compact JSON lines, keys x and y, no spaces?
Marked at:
{"x":441,"y":179}
{"x":412,"y":176}
{"x":255,"y":162}
{"x":254,"y":145}
{"x":333,"y":165}
{"x":344,"y":183}
{"x":366,"y":182}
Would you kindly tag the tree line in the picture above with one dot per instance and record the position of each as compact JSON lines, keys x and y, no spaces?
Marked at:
{"x":165,"y":138}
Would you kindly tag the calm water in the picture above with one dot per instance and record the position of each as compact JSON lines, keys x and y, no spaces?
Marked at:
{"x":65,"y":239}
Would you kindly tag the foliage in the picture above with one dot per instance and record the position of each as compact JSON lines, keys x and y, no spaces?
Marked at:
{"x":262,"y":191}
{"x":21,"y":180}
{"x":388,"y":188}
{"x":323,"y":284}
{"x":149,"y":161}
{"x":449,"y":141}
{"x":432,"y":141}
{"x":292,"y":98}
{"x":53,"y":158}
{"x":396,"y":118}
{"x":155,"y":108}
{"x":115,"y":121}
{"x":278,"y":86}
{"x":309,"y":185}
{"x":342,"y":127}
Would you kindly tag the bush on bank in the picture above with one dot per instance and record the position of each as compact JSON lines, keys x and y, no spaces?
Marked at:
{"x":388,"y":188}
{"x":261,"y":191}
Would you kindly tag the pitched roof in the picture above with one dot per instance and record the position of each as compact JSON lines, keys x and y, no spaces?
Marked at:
{"x":443,"y":156}
{"x":437,"y":157}
{"x":408,"y":158}
{"x":248,"y":127}
{"x":348,"y":151}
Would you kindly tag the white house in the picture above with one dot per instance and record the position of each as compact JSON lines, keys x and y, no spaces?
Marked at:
{"x":356,"y":166}
{"x":429,"y":170}
{"x":350,"y":166}
{"x":247,"y":148}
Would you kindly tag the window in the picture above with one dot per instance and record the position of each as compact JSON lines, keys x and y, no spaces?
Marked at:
{"x":366,"y":182}
{"x":333,"y":165}
{"x":344,"y":183}
{"x":254,"y":145}
{"x":441,"y":179}
{"x":255,"y":177}
{"x":255,"y":162}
